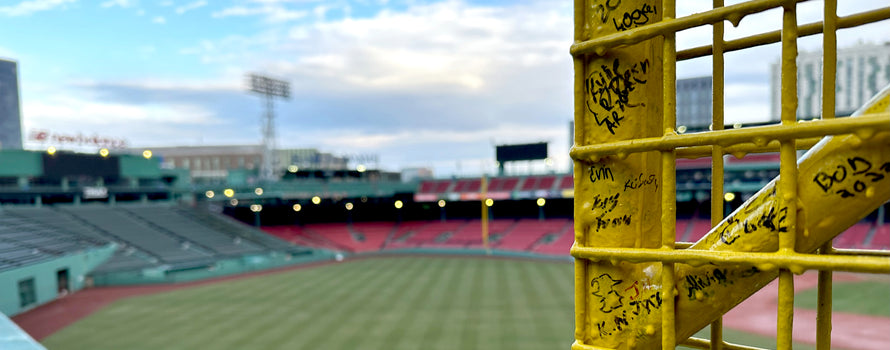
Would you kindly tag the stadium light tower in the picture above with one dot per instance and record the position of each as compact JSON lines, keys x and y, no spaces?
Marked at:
{"x":269,"y":88}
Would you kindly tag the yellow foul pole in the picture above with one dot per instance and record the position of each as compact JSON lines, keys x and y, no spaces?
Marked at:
{"x":483,"y":196}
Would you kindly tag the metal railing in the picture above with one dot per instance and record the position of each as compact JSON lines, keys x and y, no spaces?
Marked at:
{"x":635,"y":287}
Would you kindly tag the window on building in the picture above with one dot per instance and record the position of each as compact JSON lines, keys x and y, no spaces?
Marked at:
{"x":27,"y":292}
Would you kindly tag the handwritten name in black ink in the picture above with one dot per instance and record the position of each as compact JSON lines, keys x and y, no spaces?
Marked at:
{"x":771,"y":219}
{"x":603,"y":222}
{"x":639,"y":181}
{"x":606,"y":203}
{"x":636,"y":17}
{"x":699,"y":283}
{"x":600,"y":173}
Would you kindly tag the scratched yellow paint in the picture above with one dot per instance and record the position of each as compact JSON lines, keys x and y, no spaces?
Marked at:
{"x":624,"y":202}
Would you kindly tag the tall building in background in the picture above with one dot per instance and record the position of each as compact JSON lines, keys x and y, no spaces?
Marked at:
{"x":862,"y":70}
{"x":10,"y":114}
{"x":694,"y":103}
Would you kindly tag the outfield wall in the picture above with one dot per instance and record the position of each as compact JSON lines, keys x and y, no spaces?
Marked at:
{"x":225,"y":267}
{"x":45,"y":281}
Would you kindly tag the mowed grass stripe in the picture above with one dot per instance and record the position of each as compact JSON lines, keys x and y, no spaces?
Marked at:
{"x":333,"y":307}
{"x":284,"y":337}
{"x":370,"y":306}
{"x":379,"y":303}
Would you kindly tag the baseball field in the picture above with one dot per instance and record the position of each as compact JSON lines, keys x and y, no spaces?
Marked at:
{"x":399,"y":302}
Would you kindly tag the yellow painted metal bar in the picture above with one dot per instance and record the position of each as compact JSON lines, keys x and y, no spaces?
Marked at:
{"x":829,"y":68}
{"x":864,"y":125}
{"x":742,"y":254}
{"x":734,"y":14}
{"x":582,"y":324}
{"x":706,"y":344}
{"x":823,"y":309}
{"x":696,"y":257}
{"x":668,"y":177}
{"x":633,"y":287}
{"x":618,"y":96}
{"x":787,"y":185}
{"x":808,"y":29}
{"x":860,"y":252}
{"x":740,"y":150}
{"x":717,"y":83}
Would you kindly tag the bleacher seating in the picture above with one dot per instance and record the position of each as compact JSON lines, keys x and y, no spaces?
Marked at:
{"x":25,"y":241}
{"x":854,"y":237}
{"x":127,"y":229}
{"x":173,"y":221}
{"x":550,"y":236}
{"x":881,"y":238}
{"x":470,"y":235}
{"x":146,"y":235}
{"x":699,"y":228}
{"x":561,"y":245}
{"x":527,"y":232}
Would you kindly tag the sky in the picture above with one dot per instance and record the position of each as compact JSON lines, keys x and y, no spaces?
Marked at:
{"x":420,"y":83}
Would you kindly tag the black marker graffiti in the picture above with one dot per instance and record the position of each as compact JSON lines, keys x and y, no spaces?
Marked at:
{"x":636,"y":17}
{"x":639,"y":181}
{"x":603,"y":288}
{"x":855,"y":167}
{"x":610,"y":88}
{"x":597,"y":173}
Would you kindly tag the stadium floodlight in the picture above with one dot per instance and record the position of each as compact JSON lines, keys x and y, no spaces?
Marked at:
{"x":270,"y":89}
{"x":51,"y":150}
{"x":209,"y":194}
{"x":146,"y":154}
{"x":316,"y":200}
{"x":729,"y":196}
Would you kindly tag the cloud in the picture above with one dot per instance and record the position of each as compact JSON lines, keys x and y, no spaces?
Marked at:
{"x":25,"y":8}
{"x":272,"y":12}
{"x":190,"y":6}
{"x":69,"y":113}
{"x":120,"y":3}
{"x":159,"y":20}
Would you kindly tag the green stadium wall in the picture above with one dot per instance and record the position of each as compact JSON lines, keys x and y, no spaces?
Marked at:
{"x":20,"y":163}
{"x":139,"y":167}
{"x":218,"y":268}
{"x":45,"y":281}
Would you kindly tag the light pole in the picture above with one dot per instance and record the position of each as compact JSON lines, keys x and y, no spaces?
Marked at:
{"x":269,"y":88}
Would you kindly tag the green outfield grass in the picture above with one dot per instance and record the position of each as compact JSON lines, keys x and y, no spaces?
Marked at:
{"x":378,"y":303}
{"x":386,"y":303}
{"x":867,"y":298}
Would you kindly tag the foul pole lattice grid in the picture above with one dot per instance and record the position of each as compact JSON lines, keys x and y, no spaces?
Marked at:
{"x":635,"y":286}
